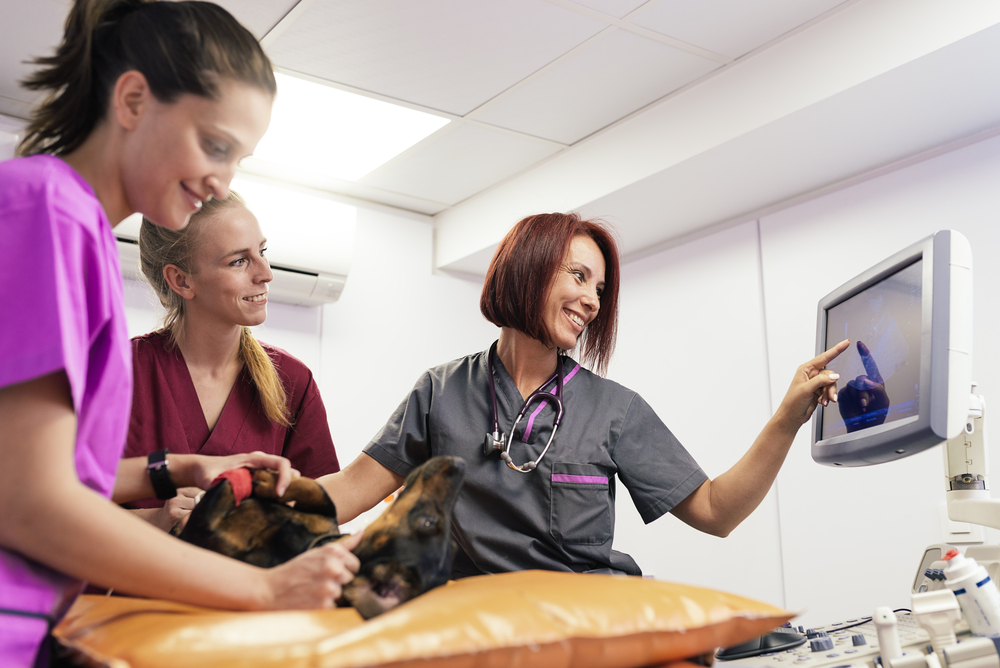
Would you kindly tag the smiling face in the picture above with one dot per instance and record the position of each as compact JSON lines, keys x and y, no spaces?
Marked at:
{"x":575,"y":296}
{"x":182,"y":153}
{"x":231,"y":273}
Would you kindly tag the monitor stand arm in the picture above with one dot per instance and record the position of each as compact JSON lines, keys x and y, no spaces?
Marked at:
{"x":966,"y":467}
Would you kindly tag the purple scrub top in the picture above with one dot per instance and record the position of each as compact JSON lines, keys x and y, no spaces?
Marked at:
{"x":63,"y":311}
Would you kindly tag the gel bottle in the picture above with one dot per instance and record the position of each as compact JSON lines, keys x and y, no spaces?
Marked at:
{"x":976,"y":594}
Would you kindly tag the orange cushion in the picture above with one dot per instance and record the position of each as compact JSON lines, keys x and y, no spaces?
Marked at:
{"x":531,"y":618}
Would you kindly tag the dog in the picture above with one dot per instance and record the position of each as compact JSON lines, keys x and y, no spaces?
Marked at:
{"x":406,"y":551}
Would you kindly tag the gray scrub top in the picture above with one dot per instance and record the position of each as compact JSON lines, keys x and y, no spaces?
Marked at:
{"x":561,"y":516}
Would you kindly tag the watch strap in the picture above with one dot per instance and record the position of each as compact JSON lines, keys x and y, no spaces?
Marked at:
{"x":159,"y":475}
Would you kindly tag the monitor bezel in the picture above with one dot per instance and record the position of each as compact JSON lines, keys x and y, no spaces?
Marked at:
{"x":908,"y":436}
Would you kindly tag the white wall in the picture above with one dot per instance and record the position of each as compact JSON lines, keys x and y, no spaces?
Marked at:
{"x":9,"y":129}
{"x":395,"y":319}
{"x":691,"y":342}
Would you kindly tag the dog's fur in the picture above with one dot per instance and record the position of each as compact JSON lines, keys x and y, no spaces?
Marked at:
{"x":406,"y":551}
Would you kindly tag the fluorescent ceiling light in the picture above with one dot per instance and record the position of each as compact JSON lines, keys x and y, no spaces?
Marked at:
{"x":336,"y":133}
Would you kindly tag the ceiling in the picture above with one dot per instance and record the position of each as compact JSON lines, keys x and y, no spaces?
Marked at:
{"x":668,"y":117}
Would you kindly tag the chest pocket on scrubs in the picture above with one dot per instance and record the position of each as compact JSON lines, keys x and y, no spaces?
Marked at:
{"x":580,"y":512}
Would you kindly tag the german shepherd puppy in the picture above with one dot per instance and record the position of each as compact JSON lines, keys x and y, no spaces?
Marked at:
{"x":408,"y":550}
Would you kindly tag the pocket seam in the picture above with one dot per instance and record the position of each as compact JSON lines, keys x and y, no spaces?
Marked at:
{"x":603,"y":488}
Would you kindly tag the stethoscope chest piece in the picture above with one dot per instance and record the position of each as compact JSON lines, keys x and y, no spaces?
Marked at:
{"x":494,"y":442}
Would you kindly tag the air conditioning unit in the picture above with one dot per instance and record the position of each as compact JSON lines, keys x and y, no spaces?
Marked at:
{"x":310,"y":242}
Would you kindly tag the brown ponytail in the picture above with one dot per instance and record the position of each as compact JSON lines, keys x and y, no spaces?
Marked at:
{"x":159,"y":247}
{"x":180,"y":47}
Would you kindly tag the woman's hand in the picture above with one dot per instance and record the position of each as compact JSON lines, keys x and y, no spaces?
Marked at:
{"x":812,"y":384}
{"x":315,"y":578}
{"x":201,"y":470}
{"x":174,"y":511}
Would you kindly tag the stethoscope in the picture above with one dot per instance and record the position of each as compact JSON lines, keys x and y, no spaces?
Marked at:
{"x":500,"y":441}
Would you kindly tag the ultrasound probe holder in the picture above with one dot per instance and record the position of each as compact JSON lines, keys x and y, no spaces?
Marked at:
{"x":966,"y":465}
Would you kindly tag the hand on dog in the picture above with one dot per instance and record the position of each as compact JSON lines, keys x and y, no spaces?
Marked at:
{"x":315,"y":578}
{"x":175,"y":511}
{"x":205,"y":469}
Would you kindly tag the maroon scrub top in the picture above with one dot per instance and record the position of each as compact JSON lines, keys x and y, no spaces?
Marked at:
{"x":166,"y":412}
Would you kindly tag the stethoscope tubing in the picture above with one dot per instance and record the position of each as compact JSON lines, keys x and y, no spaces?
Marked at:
{"x":500,"y":441}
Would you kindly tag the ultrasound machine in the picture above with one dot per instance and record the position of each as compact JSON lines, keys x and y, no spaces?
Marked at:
{"x":905,"y":386}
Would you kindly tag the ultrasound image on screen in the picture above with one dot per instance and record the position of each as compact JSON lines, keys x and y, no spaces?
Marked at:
{"x":880,"y":371}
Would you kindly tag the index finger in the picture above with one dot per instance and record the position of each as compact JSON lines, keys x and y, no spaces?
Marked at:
{"x":352,"y":541}
{"x":870,"y":367}
{"x":825,"y":358}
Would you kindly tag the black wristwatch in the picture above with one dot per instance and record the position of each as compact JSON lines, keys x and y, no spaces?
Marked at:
{"x":159,"y":475}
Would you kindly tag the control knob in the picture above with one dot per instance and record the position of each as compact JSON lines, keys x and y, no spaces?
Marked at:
{"x":821,"y":644}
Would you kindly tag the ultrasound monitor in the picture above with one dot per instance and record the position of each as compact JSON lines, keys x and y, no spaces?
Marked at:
{"x":905,"y":378}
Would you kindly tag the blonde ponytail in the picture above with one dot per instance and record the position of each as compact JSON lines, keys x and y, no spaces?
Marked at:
{"x":272,"y":393}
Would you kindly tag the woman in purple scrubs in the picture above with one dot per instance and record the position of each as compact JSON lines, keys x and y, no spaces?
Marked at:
{"x":151,"y":106}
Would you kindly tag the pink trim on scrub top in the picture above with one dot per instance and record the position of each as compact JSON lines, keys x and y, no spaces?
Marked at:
{"x":586,"y":479}
{"x":542,"y":404}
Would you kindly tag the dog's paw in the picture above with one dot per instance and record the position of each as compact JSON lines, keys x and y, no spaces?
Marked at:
{"x":265,"y":484}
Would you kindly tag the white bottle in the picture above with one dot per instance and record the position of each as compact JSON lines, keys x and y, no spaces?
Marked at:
{"x":976,"y":593}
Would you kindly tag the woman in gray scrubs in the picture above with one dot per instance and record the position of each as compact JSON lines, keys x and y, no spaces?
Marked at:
{"x":553,"y":285}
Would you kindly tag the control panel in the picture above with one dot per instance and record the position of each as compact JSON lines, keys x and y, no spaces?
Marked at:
{"x":851,"y":643}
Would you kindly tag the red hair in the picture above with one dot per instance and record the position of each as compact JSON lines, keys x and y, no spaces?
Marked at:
{"x":522,"y":271}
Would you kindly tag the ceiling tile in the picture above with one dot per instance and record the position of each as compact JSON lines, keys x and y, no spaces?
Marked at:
{"x":259,"y":16}
{"x":729,"y":27}
{"x":610,"y":77}
{"x":39,"y":30}
{"x":616,"y":8}
{"x":454,"y":165}
{"x":448,"y":55}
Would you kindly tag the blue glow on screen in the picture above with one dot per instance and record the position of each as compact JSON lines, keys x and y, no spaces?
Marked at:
{"x":880,"y":371}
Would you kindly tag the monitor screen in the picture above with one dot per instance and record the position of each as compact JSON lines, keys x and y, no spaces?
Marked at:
{"x":880,"y":371}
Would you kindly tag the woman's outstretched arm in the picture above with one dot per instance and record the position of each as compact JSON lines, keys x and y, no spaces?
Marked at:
{"x":360,"y":486}
{"x":719,"y":505}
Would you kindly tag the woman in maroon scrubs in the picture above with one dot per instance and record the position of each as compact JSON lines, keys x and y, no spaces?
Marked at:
{"x":203,"y":383}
